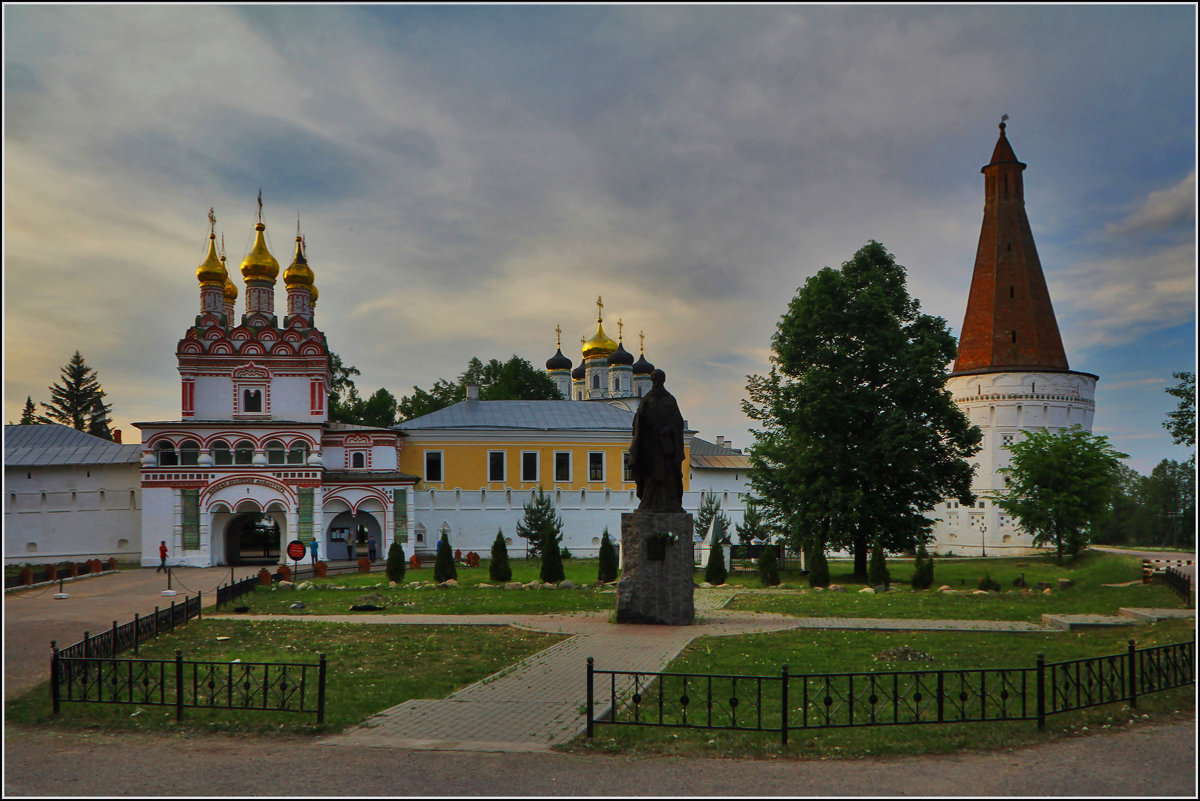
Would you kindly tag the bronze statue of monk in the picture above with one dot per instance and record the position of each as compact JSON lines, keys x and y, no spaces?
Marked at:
{"x":656,"y":454}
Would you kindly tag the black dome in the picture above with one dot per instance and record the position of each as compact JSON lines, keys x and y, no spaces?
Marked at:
{"x":620,"y":356}
{"x":558,"y":361}
{"x":579,"y":373}
{"x":642,"y":367}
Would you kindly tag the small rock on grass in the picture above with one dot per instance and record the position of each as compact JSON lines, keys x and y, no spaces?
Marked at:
{"x":868,"y":590}
{"x":567,"y":585}
{"x":514,"y":585}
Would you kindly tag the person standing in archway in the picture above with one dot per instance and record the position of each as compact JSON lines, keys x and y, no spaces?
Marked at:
{"x":372,"y":548}
{"x":313,"y":546}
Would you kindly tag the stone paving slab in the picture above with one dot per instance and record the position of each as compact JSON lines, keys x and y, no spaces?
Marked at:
{"x":1077,"y":622}
{"x":1155,"y":615}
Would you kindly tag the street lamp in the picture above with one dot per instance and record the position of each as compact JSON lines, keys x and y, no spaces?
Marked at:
{"x":983,"y":539}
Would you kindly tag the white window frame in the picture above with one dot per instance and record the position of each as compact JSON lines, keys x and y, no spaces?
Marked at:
{"x":566,"y":480}
{"x":441,"y":467}
{"x":503,"y":467}
{"x":602,"y":467}
{"x":537,"y":467}
{"x":262,"y":389}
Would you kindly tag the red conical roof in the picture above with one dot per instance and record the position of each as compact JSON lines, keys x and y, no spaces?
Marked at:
{"x":1010,"y":322}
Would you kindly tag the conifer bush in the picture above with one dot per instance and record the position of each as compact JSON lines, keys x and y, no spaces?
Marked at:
{"x":877,"y":572}
{"x":443,"y":566}
{"x":818,"y":568}
{"x":986,"y":582}
{"x":768,"y":566}
{"x":396,"y":564}
{"x":608,"y":560}
{"x":552,"y":567}
{"x":499,"y":569}
{"x":922,"y":578}
{"x":715,"y":572}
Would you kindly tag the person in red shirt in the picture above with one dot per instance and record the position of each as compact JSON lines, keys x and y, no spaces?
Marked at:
{"x":162,"y":558}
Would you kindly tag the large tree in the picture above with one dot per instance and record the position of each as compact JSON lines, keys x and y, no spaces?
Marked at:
{"x":78,"y":400}
{"x":515,"y":379}
{"x":859,"y":437}
{"x":347,"y":406}
{"x":29,"y":415}
{"x":1182,"y":422}
{"x":1060,"y":485}
{"x":539,"y":523}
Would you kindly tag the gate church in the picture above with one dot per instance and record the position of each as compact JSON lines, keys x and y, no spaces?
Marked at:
{"x":254,"y":461}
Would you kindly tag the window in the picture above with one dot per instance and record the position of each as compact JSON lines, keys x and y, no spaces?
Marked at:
{"x":243,"y":453}
{"x":562,"y":466}
{"x":529,"y":466}
{"x":626,"y":470}
{"x":433,"y":466}
{"x":166,"y":454}
{"x":189,"y":452}
{"x":298,"y":453}
{"x":221,"y":453}
{"x":595,"y":466}
{"x":252,"y":400}
{"x":190,"y":500}
{"x":1006,"y":439}
{"x":275,"y":452}
{"x":595,"y":381}
{"x":358,"y":460}
{"x":495,"y":465}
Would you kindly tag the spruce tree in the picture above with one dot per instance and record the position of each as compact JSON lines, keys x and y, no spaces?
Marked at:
{"x":499,"y":569}
{"x":73,"y":402}
{"x":768,"y":566}
{"x":29,"y":414}
{"x":539,"y":519}
{"x":443,"y":566}
{"x":923,"y":569}
{"x":715,"y":572}
{"x":877,"y":572}
{"x":552,"y":566}
{"x":98,"y":421}
{"x":395,"y":562}
{"x":608,"y":560}
{"x":710,"y":510}
{"x":752,"y":527}
{"x":818,"y":568}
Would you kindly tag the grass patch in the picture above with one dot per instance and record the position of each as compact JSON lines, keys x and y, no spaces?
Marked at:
{"x":817,"y":651}
{"x":370,"y":668}
{"x":1089,"y":572}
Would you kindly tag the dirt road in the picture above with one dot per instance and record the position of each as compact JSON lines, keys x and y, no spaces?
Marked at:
{"x":1142,"y":761}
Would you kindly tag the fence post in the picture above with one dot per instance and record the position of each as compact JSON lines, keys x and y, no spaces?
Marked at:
{"x":54,"y":668}
{"x":136,"y":633}
{"x":114,"y":640}
{"x":783,"y":720}
{"x":199,"y":605}
{"x":178,"y":685}
{"x":87,"y":644}
{"x":590,"y":668}
{"x":1041,"y":692}
{"x":172,"y":617}
{"x":1132,"y":675}
{"x":321,"y":690}
{"x":941,"y":696}
{"x":156,"y":622}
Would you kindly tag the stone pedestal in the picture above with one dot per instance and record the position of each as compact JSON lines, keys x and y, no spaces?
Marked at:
{"x":656,"y":575}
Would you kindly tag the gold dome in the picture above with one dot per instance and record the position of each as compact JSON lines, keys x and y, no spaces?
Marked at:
{"x":259,"y":264}
{"x":600,"y":344}
{"x":312,"y":292}
{"x":298,"y":272}
{"x":211,"y":270}
{"x":231,"y":290}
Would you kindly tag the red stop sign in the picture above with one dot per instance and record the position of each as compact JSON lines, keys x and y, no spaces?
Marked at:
{"x":296,"y":550}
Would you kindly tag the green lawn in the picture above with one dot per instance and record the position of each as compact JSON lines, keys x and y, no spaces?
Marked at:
{"x":369,"y":669}
{"x":816,"y":651}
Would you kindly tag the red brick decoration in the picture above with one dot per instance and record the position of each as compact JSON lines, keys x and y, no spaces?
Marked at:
{"x":322,"y":569}
{"x":111,"y":563}
{"x":52,"y":572}
{"x":74,"y":569}
{"x":26,"y":575}
{"x":364,"y":565}
{"x":284,"y":573}
{"x":264,"y":577}
{"x":414,"y":562}
{"x":1010,"y":321}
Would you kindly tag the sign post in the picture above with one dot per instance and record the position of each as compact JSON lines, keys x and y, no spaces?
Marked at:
{"x":296,"y":551}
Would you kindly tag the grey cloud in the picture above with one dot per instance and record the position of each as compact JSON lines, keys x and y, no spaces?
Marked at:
{"x":1162,"y":209}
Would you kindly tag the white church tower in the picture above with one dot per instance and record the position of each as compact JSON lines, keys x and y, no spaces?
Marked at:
{"x":1011,"y":374}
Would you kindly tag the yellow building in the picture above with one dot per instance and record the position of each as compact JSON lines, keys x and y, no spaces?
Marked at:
{"x":480,"y":462}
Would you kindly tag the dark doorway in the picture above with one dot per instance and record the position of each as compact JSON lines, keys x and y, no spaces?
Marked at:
{"x":252,"y":539}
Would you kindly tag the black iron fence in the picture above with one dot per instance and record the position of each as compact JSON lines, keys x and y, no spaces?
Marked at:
{"x":1179,"y":581}
{"x":785,"y":702}
{"x":197,"y":684}
{"x":231,"y":592}
{"x":1156,"y":567}
{"x":111,"y":642}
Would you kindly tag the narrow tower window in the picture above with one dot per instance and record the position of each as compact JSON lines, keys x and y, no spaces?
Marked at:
{"x":1014,"y":336}
{"x":1011,"y":292}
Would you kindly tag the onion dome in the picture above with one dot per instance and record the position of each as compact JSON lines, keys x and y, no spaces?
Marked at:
{"x":620,"y":356}
{"x":231,"y":290}
{"x":579,"y":373}
{"x":259,"y":264}
{"x":298,"y":272}
{"x":600,"y":344}
{"x":641,"y":366}
{"x":312,"y":292}
{"x":558,"y":361}
{"x":211,"y":271}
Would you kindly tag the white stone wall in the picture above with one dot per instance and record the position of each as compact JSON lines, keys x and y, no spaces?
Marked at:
{"x":1004,"y":405}
{"x":71,"y":513}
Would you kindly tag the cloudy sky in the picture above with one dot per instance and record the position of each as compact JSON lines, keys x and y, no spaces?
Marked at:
{"x":468,"y":177}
